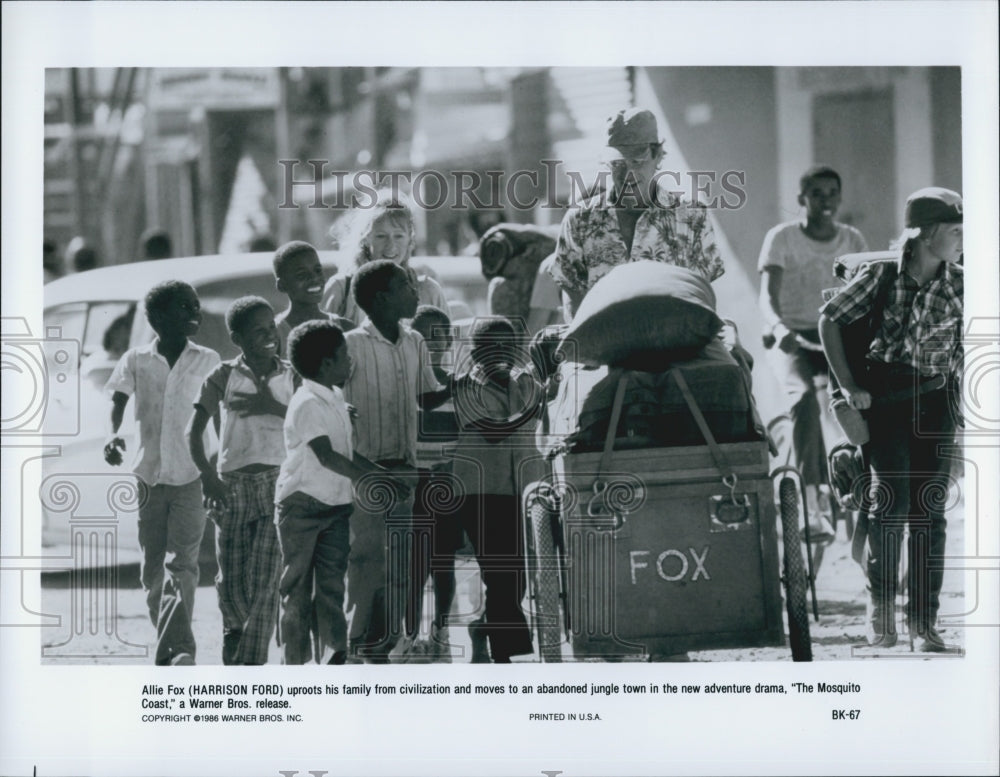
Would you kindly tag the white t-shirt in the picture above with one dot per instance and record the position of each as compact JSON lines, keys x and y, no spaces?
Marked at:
{"x":315,"y":411}
{"x":808,"y":268}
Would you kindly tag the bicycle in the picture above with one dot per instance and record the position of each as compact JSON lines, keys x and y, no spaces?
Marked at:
{"x":779,"y":429}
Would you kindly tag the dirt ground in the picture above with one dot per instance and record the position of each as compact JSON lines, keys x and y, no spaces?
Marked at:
{"x":109,"y":626}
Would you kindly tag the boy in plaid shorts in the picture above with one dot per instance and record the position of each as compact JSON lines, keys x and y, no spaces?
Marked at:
{"x":251,"y":393}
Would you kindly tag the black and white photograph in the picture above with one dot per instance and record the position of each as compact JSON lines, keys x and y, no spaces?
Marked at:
{"x":375,"y":346}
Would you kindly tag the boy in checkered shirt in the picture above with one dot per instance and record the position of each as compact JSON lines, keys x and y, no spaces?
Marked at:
{"x":911,"y":374}
{"x":251,"y":395}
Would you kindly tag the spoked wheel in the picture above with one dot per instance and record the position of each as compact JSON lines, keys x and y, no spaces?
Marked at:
{"x":545,"y":568}
{"x":794,"y":573}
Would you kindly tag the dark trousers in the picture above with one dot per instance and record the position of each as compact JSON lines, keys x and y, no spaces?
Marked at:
{"x":909,"y":489}
{"x":315,"y":544}
{"x":435,"y":536}
{"x":493,"y":523}
{"x":377,"y":570}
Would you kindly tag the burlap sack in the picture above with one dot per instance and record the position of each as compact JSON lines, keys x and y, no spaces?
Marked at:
{"x":640,"y":314}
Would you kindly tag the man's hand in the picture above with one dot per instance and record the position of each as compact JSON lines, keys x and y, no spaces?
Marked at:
{"x":113,"y":451}
{"x":214,"y":490}
{"x":261,"y":403}
{"x":856,"y":396}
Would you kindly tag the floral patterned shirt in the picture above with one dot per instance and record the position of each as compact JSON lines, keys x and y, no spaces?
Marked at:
{"x":673,"y":231}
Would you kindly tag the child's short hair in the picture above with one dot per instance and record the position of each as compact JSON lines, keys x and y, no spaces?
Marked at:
{"x":818,"y":171}
{"x":311,"y":342}
{"x":240,"y":311}
{"x":372,"y":278}
{"x":287,"y":251}
{"x":427,"y":316}
{"x":488,"y":332}
{"x":159,"y":297}
{"x":352,"y":232}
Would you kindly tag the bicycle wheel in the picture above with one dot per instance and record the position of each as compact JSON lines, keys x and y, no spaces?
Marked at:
{"x":545,"y":568}
{"x":794,"y":573}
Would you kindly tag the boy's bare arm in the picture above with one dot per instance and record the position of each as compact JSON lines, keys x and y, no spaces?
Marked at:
{"x":114,"y":447}
{"x":770,"y":309}
{"x":215,"y":491}
{"x":353,"y":469}
{"x":430,"y":400}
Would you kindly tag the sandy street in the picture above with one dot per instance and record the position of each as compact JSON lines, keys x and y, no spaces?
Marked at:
{"x":105,"y":626}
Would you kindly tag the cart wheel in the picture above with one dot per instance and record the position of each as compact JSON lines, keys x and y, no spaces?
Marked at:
{"x":545,"y":568}
{"x":795,"y":574}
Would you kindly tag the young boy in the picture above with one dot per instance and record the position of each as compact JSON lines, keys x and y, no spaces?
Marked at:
{"x":911,"y":374}
{"x":251,"y":394}
{"x":796,"y":265}
{"x":390,"y":375}
{"x":299,"y":274}
{"x":165,"y":377}
{"x":497,"y":405}
{"x":436,"y":535}
{"x":314,"y":495}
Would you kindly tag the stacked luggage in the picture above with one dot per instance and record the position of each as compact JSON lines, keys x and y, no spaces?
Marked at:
{"x":665,"y":539}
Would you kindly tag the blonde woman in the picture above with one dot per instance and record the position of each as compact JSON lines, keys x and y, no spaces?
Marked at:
{"x":387,"y":230}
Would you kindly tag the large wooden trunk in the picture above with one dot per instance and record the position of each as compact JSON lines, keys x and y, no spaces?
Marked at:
{"x":663,"y":557}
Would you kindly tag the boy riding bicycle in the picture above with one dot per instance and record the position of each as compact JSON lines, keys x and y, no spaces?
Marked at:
{"x":795,"y":265}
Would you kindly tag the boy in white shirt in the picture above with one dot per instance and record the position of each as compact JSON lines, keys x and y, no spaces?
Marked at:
{"x":314,"y":498}
{"x":165,"y":377}
{"x":796,"y":265}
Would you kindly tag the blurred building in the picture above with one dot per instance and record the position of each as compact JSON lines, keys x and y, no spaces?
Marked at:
{"x":93,"y":172}
{"x":219,"y":156}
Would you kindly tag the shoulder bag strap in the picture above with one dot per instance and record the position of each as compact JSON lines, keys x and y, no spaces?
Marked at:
{"x":882,"y":296}
{"x":728,"y":476}
{"x":616,"y":412}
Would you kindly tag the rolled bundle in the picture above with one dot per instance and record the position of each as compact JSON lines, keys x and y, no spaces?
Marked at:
{"x":643,"y":316}
{"x":514,"y":250}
